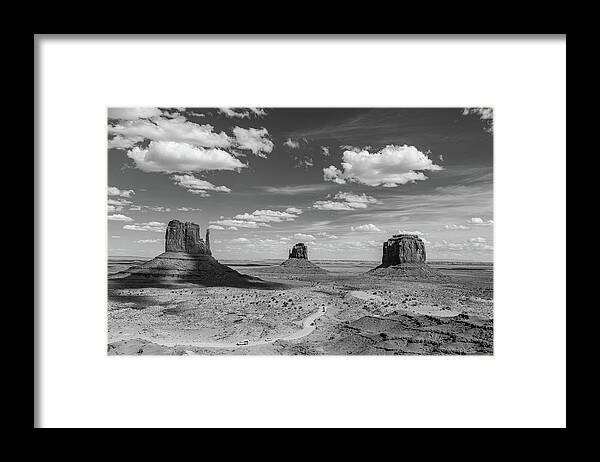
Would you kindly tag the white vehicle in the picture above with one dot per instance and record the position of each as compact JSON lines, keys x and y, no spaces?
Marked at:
{"x":268,"y":339}
{"x":243,"y":342}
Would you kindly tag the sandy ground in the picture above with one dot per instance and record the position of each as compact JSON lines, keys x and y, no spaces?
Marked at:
{"x":341,"y":312}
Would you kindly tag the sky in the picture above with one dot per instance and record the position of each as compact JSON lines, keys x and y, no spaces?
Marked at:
{"x":340,"y":180}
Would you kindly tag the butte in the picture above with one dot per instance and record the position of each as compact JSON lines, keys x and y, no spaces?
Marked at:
{"x":187,"y":258}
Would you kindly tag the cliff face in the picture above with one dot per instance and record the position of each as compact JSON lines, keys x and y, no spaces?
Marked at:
{"x":299,"y":251}
{"x":403,"y":249}
{"x":185,"y":237}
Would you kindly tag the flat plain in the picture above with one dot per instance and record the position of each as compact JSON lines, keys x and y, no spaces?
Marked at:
{"x":344,"y":311}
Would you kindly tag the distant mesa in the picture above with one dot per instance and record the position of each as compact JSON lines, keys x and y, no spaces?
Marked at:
{"x":299,"y":263}
{"x":404,"y":255}
{"x":188,"y":258}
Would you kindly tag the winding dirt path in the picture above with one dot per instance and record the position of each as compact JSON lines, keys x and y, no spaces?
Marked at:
{"x":307,"y":327}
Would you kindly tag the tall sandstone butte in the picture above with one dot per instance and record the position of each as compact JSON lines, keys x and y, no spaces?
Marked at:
{"x":185,"y":237}
{"x":299,"y":251}
{"x":403,"y":249}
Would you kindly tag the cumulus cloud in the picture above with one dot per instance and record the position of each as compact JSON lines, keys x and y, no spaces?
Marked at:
{"x":120,"y":142}
{"x":118,"y":217}
{"x":255,"y":140}
{"x":403,"y":231}
{"x":114,"y":191}
{"x":294,"y":210}
{"x":240,"y":240}
{"x":390,"y":167}
{"x":256,"y":219}
{"x":266,"y":216}
{"x":456,"y":227}
{"x":235,"y":224}
{"x":171,"y":156}
{"x":133,"y":113}
{"x":148,"y":241}
{"x":480,"y":221}
{"x":153,"y":226}
{"x":230,"y":112}
{"x":346,"y":201}
{"x":215,"y":227}
{"x":187,"y":209}
{"x":292,"y":144}
{"x":370,"y":228}
{"x":477,"y":239}
{"x":305,"y":237}
{"x":242,"y":114}
{"x":486,"y":114}
{"x":197,"y":186}
{"x":177,"y":129}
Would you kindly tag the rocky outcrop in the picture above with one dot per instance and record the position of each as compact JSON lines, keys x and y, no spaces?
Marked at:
{"x":404,"y":256}
{"x":403,"y":249}
{"x":187,"y":258}
{"x":185,"y":237}
{"x":299,"y":251}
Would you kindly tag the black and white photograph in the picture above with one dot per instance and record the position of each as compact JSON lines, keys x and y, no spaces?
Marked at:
{"x":300,"y":231}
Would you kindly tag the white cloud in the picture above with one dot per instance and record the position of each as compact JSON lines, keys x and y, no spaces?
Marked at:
{"x":253,"y":139}
{"x":242,"y":114}
{"x":267,"y":216}
{"x":456,"y":227}
{"x":293,"y":210}
{"x":148,"y":241}
{"x":331,"y":205}
{"x":370,"y":228}
{"x":229,"y":112}
{"x":235,"y":224}
{"x":485,"y":113}
{"x":116,"y":237}
{"x":118,"y":217}
{"x":403,"y":231}
{"x":153,"y":226}
{"x":259,"y":112}
{"x":327,"y":235}
{"x":187,"y":209}
{"x":256,"y":219}
{"x":114,"y":191}
{"x":120,"y":142}
{"x":441,"y":158}
{"x":170,"y":157}
{"x":306,"y":237}
{"x":120,"y":202}
{"x":292,"y":144}
{"x":133,"y":113}
{"x":197,"y":186}
{"x":215,"y":227}
{"x":177,"y":129}
{"x":480,"y":221}
{"x":240,"y":240}
{"x":389,"y":167}
{"x":477,"y":239}
{"x":346,"y":201}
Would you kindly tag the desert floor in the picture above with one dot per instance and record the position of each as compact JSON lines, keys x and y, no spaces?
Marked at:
{"x":343,"y":312}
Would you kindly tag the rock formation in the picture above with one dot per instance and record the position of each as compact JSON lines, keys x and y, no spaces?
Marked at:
{"x":404,"y":256}
{"x":403,"y":248}
{"x":187,"y":257}
{"x":298,"y":251}
{"x":185,"y":237}
{"x":298,"y":263}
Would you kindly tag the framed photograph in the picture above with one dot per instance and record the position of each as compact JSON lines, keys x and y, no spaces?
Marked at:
{"x":229,"y":228}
